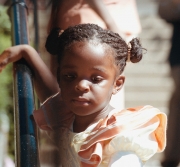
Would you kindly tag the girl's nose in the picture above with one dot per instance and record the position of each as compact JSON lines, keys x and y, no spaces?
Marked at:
{"x":82,"y":86}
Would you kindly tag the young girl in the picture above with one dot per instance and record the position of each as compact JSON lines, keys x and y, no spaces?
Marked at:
{"x":78,"y":118}
{"x":105,"y":13}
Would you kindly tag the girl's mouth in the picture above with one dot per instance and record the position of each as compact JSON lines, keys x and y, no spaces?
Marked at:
{"x":80,"y":102}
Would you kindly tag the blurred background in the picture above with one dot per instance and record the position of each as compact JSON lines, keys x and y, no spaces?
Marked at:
{"x":149,"y":82}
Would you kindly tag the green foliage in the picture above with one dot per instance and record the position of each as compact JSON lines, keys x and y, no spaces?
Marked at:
{"x":5,"y":77}
{"x":5,"y":24}
{"x":6,"y":87}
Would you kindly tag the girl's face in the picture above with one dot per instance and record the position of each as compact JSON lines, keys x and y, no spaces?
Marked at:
{"x":88,"y":78}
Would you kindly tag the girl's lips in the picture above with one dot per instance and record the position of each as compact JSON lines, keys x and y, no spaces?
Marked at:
{"x":80,"y":102}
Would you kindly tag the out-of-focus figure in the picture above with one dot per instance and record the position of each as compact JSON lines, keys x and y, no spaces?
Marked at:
{"x":120,"y":16}
{"x":171,"y":14}
{"x":172,"y":152}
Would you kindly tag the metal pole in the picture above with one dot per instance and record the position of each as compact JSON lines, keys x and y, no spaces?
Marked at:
{"x":26,"y":151}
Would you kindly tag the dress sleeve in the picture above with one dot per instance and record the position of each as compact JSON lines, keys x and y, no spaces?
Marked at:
{"x":53,"y":114}
{"x":145,"y":139}
{"x":140,"y":130}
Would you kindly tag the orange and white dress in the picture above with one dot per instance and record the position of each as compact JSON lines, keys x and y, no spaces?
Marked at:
{"x":140,"y":130}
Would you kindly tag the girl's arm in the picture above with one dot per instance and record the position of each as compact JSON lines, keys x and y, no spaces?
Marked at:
{"x":124,"y":159}
{"x":45,"y":83}
{"x":100,"y":8}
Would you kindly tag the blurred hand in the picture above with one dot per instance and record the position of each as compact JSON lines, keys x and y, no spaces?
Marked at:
{"x":4,"y":59}
{"x":9,"y":55}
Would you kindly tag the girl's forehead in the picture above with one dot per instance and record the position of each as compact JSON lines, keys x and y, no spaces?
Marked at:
{"x":94,"y":45}
{"x":89,"y":52}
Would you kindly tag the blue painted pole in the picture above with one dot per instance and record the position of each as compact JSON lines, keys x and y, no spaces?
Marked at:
{"x":26,"y":150}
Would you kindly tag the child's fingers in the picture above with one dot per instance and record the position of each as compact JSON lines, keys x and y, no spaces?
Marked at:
{"x":4,"y":55}
{"x":2,"y":65}
{"x":4,"y":59}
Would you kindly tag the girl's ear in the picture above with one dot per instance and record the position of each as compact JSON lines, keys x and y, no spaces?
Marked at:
{"x":118,"y":84}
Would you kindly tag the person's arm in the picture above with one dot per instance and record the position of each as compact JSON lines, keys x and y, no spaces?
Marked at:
{"x":125,"y":159}
{"x":100,"y":8}
{"x":45,"y":83}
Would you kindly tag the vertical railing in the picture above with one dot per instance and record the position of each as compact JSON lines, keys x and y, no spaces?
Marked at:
{"x":26,"y":151}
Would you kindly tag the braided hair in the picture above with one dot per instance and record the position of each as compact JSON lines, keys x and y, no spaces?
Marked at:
{"x":58,"y":42}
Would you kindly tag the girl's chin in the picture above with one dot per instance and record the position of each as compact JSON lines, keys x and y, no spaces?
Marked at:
{"x":82,"y":111}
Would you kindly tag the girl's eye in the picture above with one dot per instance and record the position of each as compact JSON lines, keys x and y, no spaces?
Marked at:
{"x":69,"y":77}
{"x":97,"y":79}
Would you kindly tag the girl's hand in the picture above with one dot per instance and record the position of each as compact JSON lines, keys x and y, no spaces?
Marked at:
{"x":4,"y":60}
{"x":44,"y":82}
{"x":9,"y":55}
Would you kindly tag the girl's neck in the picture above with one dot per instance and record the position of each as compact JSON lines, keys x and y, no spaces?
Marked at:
{"x":82,"y":122}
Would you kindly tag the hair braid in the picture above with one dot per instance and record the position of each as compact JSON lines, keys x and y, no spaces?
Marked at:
{"x":118,"y":45}
{"x":88,"y":32}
